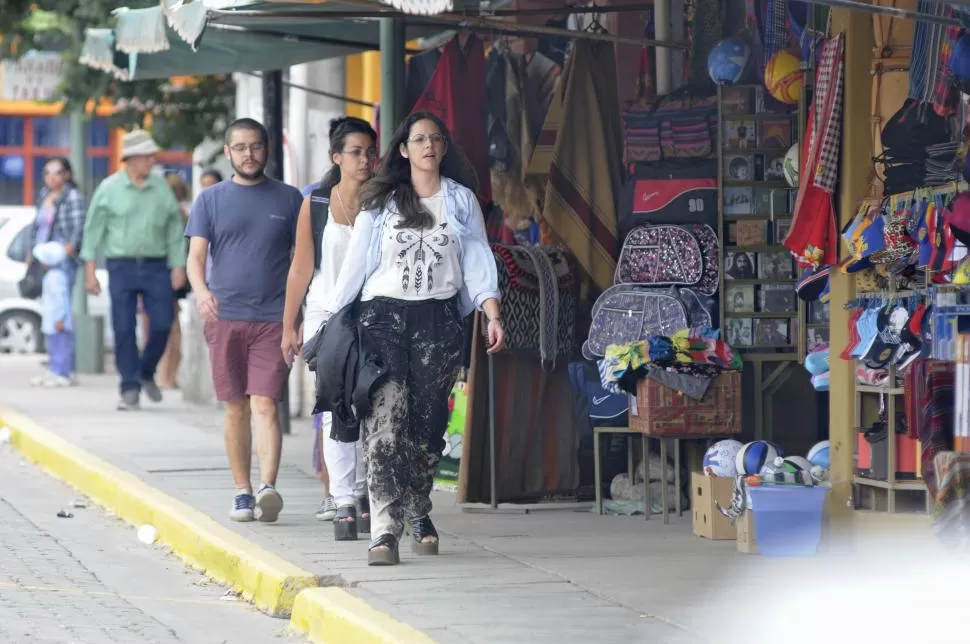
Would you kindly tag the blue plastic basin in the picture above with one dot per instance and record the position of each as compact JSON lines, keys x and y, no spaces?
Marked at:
{"x":787,"y":519}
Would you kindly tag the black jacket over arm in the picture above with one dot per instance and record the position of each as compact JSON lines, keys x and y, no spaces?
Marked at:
{"x":349,"y":369}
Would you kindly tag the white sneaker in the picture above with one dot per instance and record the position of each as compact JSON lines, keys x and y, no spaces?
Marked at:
{"x":51,"y":380}
{"x":269,"y":503}
{"x":327,"y":510}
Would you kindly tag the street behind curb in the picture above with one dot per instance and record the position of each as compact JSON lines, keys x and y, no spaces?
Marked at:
{"x":274,"y":585}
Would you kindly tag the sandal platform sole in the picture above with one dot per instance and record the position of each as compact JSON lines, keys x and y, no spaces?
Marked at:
{"x":383,"y":557}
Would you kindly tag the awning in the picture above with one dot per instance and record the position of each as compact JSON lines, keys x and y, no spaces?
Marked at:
{"x":432,"y":7}
{"x":180,"y":38}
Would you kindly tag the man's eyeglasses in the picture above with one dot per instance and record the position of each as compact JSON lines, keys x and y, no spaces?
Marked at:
{"x":421,"y":139}
{"x":255,"y":148}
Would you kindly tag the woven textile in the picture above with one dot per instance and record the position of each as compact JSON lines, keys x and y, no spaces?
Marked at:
{"x":813,"y":236}
{"x":951,"y":513}
{"x":663,"y":412}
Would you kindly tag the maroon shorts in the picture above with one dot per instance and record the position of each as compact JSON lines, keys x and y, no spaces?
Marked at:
{"x":246,"y":359}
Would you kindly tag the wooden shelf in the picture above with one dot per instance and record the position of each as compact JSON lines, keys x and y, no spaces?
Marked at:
{"x":917,"y":485}
{"x":878,"y":389}
{"x":760,"y":116}
{"x":767,"y":185}
{"x":759,"y":216}
{"x":756,"y":314}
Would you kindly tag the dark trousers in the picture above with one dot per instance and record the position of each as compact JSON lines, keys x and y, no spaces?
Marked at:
{"x":421,"y":344}
{"x":151,"y":279}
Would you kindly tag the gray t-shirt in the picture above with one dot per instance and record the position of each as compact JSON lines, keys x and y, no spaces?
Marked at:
{"x":251,"y":230}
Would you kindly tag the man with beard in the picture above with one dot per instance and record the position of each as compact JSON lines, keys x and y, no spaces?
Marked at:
{"x":136,"y":224}
{"x":248,"y":225}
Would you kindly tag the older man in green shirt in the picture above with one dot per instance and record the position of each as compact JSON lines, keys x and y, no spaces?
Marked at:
{"x":134,"y":222}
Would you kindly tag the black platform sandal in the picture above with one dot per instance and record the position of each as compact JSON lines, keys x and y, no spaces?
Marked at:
{"x":345,"y":524}
{"x":363,"y":515}
{"x":421,"y":528}
{"x":383,"y":551}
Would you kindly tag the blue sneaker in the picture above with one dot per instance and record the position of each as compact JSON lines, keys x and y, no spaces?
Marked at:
{"x":243,"y":508}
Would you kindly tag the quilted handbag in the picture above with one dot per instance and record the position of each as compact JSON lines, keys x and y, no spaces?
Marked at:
{"x":624,"y":314}
{"x":664,"y":255}
{"x":539,"y":300}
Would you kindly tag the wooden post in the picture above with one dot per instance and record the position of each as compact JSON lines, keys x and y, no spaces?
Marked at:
{"x":856,"y":165}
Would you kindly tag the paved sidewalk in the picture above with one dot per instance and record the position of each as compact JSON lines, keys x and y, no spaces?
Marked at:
{"x":550,"y":576}
{"x":89,"y":579}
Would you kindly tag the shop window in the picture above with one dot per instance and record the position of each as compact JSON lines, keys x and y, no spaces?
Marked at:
{"x":11,"y":131}
{"x":98,"y":170}
{"x":99,"y":133}
{"x":17,"y":250}
{"x":12,"y":168}
{"x":51,"y":131}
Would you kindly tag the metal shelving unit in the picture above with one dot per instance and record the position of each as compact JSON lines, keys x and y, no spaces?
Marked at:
{"x":771,"y":363}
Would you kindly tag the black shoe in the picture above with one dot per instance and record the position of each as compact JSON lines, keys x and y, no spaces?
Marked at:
{"x":421,"y":528}
{"x":345,"y":524}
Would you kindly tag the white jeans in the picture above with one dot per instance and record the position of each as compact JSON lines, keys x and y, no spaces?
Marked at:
{"x":345,"y":463}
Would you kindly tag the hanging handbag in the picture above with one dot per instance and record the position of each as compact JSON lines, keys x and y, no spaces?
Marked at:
{"x":31,"y":286}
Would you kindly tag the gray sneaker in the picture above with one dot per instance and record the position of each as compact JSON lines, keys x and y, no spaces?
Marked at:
{"x":151,"y":390}
{"x":327,"y":510}
{"x":129,"y":401}
{"x":269,"y":503}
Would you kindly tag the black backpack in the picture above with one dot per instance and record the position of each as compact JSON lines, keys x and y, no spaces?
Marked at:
{"x":319,"y":211}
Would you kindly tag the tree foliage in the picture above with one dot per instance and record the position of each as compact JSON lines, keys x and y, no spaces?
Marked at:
{"x":183,"y":113}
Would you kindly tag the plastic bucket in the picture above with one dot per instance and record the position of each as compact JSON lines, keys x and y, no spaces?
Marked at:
{"x":787,"y":519}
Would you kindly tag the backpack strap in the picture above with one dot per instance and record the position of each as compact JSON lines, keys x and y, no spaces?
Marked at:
{"x":319,"y":211}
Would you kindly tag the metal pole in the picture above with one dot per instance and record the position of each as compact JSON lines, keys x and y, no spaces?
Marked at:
{"x":273,"y":120}
{"x":89,"y":331}
{"x":392,"y":77}
{"x":661,"y":21}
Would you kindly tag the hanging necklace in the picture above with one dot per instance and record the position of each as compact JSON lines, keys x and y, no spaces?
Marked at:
{"x":350,"y":221}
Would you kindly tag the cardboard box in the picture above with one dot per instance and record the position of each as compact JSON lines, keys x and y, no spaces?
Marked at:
{"x":745,"y":533}
{"x":709,"y":523}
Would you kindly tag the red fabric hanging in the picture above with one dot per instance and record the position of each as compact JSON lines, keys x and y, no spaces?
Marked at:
{"x":457,"y":95}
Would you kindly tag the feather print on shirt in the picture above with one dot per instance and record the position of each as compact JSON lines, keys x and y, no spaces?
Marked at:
{"x":421,"y":251}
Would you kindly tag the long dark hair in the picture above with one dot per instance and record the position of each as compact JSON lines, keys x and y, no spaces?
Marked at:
{"x":340,"y":129}
{"x":68,"y":170}
{"x":393,"y":178}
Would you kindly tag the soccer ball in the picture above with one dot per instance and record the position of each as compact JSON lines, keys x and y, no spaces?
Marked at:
{"x":721,"y":458}
{"x":819,"y":454}
{"x":790,"y":165}
{"x":754,"y":457}
{"x":783,"y":77}
{"x":728,"y":61}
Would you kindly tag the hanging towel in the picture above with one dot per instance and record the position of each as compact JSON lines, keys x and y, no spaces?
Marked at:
{"x":580,"y":205}
{"x":813,"y":237}
{"x":925,"y":57}
{"x":456,"y":95}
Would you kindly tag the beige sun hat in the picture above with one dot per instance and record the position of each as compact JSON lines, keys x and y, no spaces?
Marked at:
{"x":137,"y":143}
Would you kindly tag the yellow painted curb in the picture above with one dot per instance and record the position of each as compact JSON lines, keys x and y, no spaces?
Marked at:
{"x":271,"y":583}
{"x":334,"y":616}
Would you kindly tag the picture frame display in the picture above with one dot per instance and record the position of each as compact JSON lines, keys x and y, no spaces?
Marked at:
{"x":738,"y":167}
{"x":776,"y":134}
{"x":739,"y":332}
{"x":740,"y":265}
{"x":777,"y":298}
{"x":770,"y":332}
{"x":740,"y":135}
{"x":739,"y":298}
{"x":776,"y":266}
{"x":738,"y":201}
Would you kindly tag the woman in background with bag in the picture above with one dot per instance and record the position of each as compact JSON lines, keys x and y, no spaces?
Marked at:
{"x":60,"y":220}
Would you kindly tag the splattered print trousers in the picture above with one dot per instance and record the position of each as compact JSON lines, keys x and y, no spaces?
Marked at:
{"x":404,"y":434}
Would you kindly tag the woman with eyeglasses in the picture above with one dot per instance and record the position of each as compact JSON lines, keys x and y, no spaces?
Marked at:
{"x":419,"y":262}
{"x":59,"y":225}
{"x":341,"y":464}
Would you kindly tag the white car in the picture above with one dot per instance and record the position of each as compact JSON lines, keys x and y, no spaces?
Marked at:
{"x":20,"y":318}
